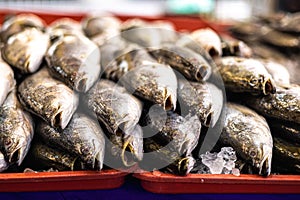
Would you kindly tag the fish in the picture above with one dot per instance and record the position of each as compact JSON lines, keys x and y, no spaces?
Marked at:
{"x":117,"y":58}
{"x":279,"y":73}
{"x":25,"y":50}
{"x":100,"y":25}
{"x":146,"y":78}
{"x":286,"y":156}
{"x":288,"y":131}
{"x":3,"y":164}
{"x":16,"y":130}
{"x":203,"y":99}
{"x":176,"y":132}
{"x":279,"y":39}
{"x":148,"y":34}
{"x":48,"y":98}
{"x":283,"y":105}
{"x":42,"y":156}
{"x":157,"y":156}
{"x":65,"y":23}
{"x":209,"y":40}
{"x":249,"y":135}
{"x":114,"y":106}
{"x":235,"y":47}
{"x":7,"y":80}
{"x":82,"y":137}
{"x":75,"y":60}
{"x":245,"y":75}
{"x":19,"y":23}
{"x":289,"y":23}
{"x":124,"y":149}
{"x":190,"y":64}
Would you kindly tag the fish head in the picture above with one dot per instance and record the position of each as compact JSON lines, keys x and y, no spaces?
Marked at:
{"x":185,"y":165}
{"x":262,"y":158}
{"x":266,"y":84}
{"x":16,"y":148}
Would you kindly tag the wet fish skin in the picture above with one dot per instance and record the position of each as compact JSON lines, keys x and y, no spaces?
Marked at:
{"x":120,"y":56}
{"x":279,"y":73}
{"x":16,"y":130}
{"x":48,"y":98}
{"x":46,"y":157}
{"x":209,"y":39}
{"x":289,"y":131}
{"x":249,"y":134}
{"x":199,"y":99}
{"x":283,"y":105}
{"x":99,"y":25}
{"x":126,"y":148}
{"x":18,"y":23}
{"x":192,"y":65}
{"x":166,"y":158}
{"x":181,"y":134}
{"x":75,"y":60}
{"x":7,"y":81}
{"x":286,"y":156}
{"x":82,"y":137}
{"x":117,"y":109}
{"x":235,"y":47}
{"x":149,"y":82}
{"x":245,"y":75}
{"x":25,"y":50}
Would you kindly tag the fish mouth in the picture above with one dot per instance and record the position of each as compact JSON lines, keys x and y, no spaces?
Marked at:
{"x":81,"y":85}
{"x":213,"y":52}
{"x":265,"y":164}
{"x":202,"y":73}
{"x":269,"y":87}
{"x":98,"y":161}
{"x":185,"y":165}
{"x":17,"y":155}
{"x":128,"y":154}
{"x":169,"y":101}
{"x":208,"y":119}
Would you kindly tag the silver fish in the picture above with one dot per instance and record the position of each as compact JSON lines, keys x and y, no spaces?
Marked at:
{"x":246,"y":75}
{"x":16,"y":130}
{"x":249,"y":134}
{"x":127,"y":148}
{"x":65,"y":24}
{"x":75,"y":60}
{"x":117,"y":109}
{"x":279,"y":73}
{"x":148,"y":80}
{"x":192,"y":65}
{"x":203,"y":99}
{"x":209,"y":40}
{"x":25,"y":50}
{"x":3,"y":164}
{"x":116,"y":57}
{"x":148,"y":34}
{"x":284,"y":104}
{"x":48,"y":98}
{"x":19,"y":23}
{"x":100,"y":25}
{"x":41,"y":157}
{"x":7,"y":81}
{"x":234,"y":47}
{"x":173,"y":143}
{"x":82,"y":137}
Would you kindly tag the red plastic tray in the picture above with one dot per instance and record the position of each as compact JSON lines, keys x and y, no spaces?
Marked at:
{"x":208,"y":183}
{"x":58,"y":181}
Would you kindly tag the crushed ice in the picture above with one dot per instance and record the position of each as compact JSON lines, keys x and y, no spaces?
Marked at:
{"x":222,"y":162}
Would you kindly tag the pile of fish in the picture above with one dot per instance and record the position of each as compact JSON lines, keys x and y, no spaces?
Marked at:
{"x":105,"y":93}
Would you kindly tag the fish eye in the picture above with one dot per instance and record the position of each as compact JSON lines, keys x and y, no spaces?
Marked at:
{"x":252,"y":153}
{"x":253,"y":81}
{"x":8,"y":142}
